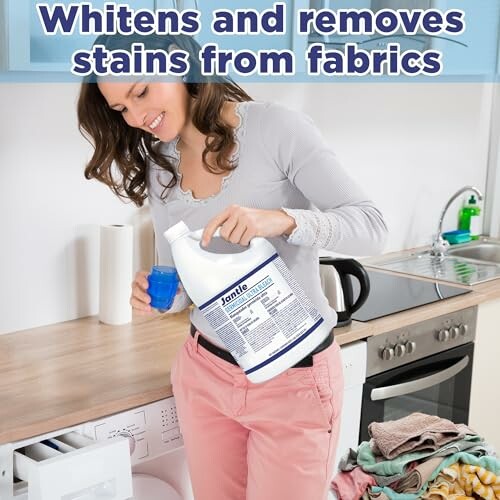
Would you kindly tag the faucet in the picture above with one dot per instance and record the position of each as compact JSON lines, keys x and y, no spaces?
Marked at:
{"x":439,"y":244}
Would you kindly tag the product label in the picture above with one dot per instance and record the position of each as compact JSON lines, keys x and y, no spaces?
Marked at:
{"x":476,"y":225}
{"x":265,"y":312}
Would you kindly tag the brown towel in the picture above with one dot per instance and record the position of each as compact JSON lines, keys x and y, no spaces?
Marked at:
{"x":415,"y":479}
{"x":416,"y":432}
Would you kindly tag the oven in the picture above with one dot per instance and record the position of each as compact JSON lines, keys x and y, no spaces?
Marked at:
{"x":425,"y":367}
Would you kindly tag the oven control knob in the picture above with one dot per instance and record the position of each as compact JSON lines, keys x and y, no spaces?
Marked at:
{"x":454,"y":331}
{"x":399,"y":350}
{"x":410,"y":347}
{"x":463,"y":328}
{"x":131,"y":440}
{"x":387,"y":353}
{"x":443,"y":335}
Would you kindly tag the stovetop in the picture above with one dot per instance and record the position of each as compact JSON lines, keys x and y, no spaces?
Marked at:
{"x":390,"y":294}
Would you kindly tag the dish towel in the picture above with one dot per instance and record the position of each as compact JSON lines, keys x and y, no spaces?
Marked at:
{"x":416,"y":478}
{"x":464,"y":481}
{"x":415,"y":432}
{"x":351,"y":485}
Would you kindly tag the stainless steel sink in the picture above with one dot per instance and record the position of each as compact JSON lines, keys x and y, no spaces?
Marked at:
{"x":486,"y":251}
{"x":467,"y":264}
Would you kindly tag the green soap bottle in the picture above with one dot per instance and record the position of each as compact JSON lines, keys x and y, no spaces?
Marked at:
{"x":468,"y":218}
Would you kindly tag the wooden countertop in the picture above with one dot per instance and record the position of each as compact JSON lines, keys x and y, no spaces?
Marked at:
{"x":69,"y":373}
{"x":62,"y":375}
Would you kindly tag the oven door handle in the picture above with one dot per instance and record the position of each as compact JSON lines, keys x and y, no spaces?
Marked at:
{"x":393,"y":391}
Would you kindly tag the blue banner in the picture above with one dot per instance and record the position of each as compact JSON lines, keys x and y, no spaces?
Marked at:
{"x":259,"y":41}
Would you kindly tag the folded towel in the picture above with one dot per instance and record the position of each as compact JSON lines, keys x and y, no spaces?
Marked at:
{"x":396,"y":468}
{"x":413,"y":433}
{"x":416,"y":478}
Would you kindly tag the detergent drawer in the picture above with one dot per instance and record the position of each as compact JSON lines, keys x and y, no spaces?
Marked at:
{"x":71,"y":466}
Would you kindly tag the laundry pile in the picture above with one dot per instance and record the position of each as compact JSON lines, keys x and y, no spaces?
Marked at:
{"x":419,"y":456}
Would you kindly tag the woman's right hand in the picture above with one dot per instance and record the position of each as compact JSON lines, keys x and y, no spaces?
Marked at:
{"x":140,"y":298}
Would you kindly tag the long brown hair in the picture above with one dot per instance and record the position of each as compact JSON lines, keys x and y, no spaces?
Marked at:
{"x":121,"y":153}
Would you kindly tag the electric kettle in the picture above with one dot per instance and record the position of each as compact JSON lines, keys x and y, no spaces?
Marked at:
{"x":336,"y":282}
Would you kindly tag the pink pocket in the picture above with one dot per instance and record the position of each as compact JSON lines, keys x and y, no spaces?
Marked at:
{"x":323,"y":392}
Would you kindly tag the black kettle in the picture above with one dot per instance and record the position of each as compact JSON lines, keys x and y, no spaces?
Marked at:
{"x":336,"y":282}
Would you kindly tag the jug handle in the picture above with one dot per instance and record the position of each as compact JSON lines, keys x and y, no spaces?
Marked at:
{"x":196,"y":235}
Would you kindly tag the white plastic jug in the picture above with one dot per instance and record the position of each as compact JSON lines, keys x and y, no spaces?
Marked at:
{"x":252,"y":300}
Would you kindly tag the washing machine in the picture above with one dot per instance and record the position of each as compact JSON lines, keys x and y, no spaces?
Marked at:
{"x":147,"y":487}
{"x":133,"y":455}
{"x":159,"y":466}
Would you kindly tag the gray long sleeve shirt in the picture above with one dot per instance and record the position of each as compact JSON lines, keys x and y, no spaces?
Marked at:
{"x":283,"y":162}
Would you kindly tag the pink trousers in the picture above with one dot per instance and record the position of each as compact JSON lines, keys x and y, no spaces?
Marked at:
{"x":270,"y":441}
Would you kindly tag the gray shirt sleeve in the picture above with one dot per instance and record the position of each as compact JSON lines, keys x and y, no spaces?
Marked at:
{"x":342,"y":218}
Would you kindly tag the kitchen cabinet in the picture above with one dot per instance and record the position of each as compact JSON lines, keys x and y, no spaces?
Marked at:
{"x":474,"y":52}
{"x":28,"y":49}
{"x":289,"y":40}
{"x":485,"y":404}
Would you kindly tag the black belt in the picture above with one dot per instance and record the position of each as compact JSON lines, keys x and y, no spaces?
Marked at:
{"x":226,"y":356}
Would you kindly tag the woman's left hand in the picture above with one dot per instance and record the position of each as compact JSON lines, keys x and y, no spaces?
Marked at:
{"x":240,"y":224}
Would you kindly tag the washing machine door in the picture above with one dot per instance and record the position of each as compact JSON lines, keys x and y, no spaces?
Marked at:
{"x":148,"y":487}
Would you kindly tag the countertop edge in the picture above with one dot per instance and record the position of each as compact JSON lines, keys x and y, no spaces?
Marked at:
{"x":82,"y":416}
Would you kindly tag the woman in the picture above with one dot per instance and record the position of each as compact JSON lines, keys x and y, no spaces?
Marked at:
{"x":203,"y":152}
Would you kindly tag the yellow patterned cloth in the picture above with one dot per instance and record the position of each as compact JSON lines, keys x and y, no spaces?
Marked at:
{"x":463,"y":482}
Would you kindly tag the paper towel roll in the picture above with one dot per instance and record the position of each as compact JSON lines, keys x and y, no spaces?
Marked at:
{"x":116,"y":274}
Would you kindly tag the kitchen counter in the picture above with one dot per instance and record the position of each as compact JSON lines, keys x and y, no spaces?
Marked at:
{"x":61,"y":375}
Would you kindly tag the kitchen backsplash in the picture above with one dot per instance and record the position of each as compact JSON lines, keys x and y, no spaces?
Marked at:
{"x":409,"y":145}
